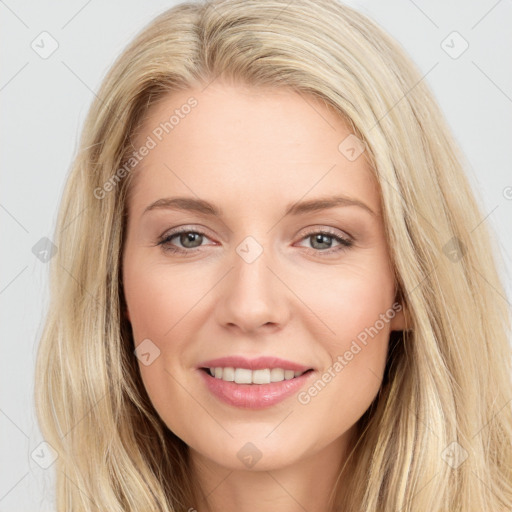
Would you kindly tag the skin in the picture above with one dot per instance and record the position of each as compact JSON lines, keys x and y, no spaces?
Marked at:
{"x":252,"y":152}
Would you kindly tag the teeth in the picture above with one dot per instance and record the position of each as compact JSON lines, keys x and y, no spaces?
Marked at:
{"x":245,"y":376}
{"x":242,"y":376}
{"x":276,"y":375}
{"x":289,"y":374}
{"x":228,"y":374}
{"x":261,"y":376}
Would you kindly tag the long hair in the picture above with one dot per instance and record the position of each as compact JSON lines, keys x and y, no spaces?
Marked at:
{"x":438,"y":435}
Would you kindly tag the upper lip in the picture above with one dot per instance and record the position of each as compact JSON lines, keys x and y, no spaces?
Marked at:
{"x":258,"y":363}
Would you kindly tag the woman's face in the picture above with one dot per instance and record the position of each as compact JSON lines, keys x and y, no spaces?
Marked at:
{"x":274,"y":276}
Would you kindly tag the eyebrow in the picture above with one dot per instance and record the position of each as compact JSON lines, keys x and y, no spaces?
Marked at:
{"x":298,"y":208}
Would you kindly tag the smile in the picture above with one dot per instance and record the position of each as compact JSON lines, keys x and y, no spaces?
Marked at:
{"x":246,"y":376}
{"x":253,"y":383}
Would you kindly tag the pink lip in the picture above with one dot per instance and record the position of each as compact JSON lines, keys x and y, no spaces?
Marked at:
{"x":258,"y":363}
{"x":253,"y":396}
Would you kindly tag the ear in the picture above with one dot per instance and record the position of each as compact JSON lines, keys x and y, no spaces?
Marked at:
{"x":401,"y":320}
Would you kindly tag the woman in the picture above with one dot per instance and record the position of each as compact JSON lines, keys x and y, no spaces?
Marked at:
{"x":272,"y":293}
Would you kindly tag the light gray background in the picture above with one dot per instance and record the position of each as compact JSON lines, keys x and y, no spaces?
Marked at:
{"x":44,"y":102}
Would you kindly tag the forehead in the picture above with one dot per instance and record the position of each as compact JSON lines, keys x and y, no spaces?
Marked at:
{"x":247,"y":143}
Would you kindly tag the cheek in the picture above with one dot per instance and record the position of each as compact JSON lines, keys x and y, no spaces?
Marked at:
{"x":347,"y":301}
{"x":355,"y":310}
{"x":158,"y":298}
{"x":160,"y":301}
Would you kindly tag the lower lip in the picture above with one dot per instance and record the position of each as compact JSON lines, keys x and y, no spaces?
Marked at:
{"x":254,"y":396}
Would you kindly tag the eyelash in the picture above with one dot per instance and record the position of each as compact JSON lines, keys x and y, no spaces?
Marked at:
{"x":345,"y":243}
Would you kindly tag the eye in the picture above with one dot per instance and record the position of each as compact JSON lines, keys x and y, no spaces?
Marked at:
{"x":189,"y":239}
{"x":322,"y":240}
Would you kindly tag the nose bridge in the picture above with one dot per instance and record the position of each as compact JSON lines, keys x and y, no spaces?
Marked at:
{"x":252,"y":280}
{"x":252,"y":295}
{"x":251,"y":264}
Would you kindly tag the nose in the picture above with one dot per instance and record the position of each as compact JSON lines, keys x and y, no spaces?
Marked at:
{"x":252,"y":297}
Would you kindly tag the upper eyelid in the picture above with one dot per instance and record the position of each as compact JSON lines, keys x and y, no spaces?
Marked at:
{"x":309,"y":229}
{"x":184,"y":229}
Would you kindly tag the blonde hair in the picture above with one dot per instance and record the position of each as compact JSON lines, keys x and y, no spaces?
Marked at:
{"x":448,"y":377}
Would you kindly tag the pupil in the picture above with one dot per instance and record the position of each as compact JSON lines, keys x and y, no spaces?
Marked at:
{"x":189,"y":237}
{"x":321,"y":239}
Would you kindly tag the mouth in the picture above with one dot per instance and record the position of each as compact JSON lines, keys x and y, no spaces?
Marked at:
{"x":253,"y":383}
{"x":258,"y":377}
